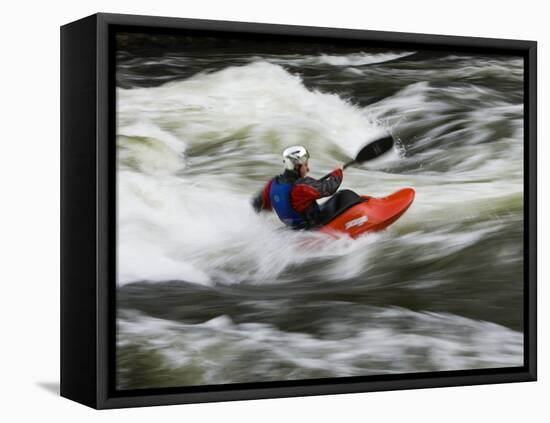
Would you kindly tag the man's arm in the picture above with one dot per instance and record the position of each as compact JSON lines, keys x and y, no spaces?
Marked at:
{"x":262,"y":201}
{"x":307,"y":189}
{"x":330,"y":183}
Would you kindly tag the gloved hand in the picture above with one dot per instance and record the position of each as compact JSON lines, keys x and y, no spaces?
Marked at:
{"x":338,"y":172}
{"x":257,"y":204}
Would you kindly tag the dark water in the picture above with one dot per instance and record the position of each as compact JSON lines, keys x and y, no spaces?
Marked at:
{"x":208,"y":292}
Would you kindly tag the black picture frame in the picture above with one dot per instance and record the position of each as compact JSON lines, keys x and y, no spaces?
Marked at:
{"x":88,"y":219}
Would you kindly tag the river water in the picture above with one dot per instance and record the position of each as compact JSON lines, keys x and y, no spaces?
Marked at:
{"x":208,"y":292}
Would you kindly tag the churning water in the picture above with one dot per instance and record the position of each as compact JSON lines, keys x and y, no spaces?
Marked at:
{"x":209,"y":292}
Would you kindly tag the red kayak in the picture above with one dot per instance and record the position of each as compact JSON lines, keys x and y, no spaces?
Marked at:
{"x":371,"y":215}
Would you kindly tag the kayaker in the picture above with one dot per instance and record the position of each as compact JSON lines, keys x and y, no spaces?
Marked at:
{"x":293,"y":194}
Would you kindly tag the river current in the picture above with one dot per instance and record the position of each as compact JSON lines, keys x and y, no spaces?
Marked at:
{"x":208,"y":292}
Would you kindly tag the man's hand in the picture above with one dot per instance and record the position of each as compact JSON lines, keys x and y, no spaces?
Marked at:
{"x":338,"y":172}
{"x":257,"y":203}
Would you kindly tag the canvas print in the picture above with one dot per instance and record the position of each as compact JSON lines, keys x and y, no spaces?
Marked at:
{"x":304,"y":209}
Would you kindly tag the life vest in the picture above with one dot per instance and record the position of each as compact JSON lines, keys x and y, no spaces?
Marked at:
{"x":279,"y":194}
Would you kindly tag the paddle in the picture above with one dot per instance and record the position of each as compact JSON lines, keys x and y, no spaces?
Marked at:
{"x":369,"y":152}
{"x":372,"y":150}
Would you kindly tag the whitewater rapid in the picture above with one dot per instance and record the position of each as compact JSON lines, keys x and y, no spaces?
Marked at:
{"x":204,"y":283}
{"x":192,"y":153}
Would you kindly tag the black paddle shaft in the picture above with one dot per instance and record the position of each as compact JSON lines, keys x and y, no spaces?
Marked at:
{"x":372,"y":150}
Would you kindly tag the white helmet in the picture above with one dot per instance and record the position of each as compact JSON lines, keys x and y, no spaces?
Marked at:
{"x":294,"y":156}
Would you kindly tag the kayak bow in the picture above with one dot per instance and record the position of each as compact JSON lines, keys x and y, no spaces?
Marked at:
{"x":374,"y":214}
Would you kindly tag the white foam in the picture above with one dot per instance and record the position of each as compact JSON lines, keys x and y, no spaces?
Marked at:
{"x":350,"y":61}
{"x":273,"y":106}
{"x":381,"y":344}
{"x":360,"y":59}
{"x":186,"y":216}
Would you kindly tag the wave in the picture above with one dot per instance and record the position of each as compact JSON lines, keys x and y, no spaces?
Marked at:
{"x":218,"y":351}
{"x":261,"y":103}
{"x":188,"y":153}
{"x":360,"y":59}
{"x":191,"y":153}
{"x":338,"y":60}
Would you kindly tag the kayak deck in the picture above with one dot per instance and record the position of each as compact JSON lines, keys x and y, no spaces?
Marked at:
{"x":372,"y":215}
